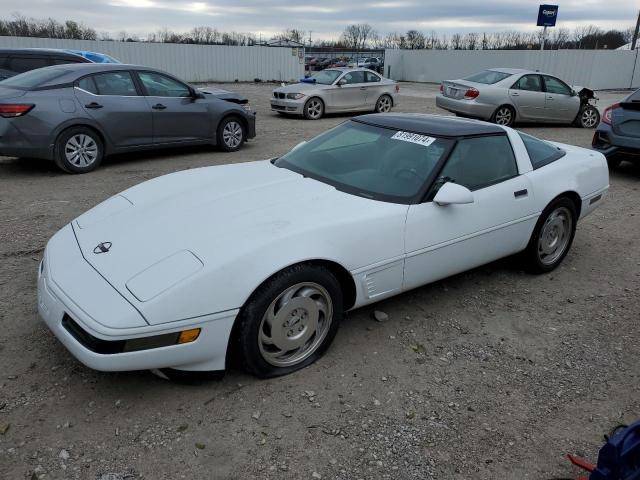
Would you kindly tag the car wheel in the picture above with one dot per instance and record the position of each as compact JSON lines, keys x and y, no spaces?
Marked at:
{"x":78,"y":150}
{"x":384,"y":104}
{"x":552,"y":237}
{"x":313,"y":109}
{"x":289,"y":321}
{"x":504,"y":115}
{"x":589,"y":117}
{"x":231,"y":134}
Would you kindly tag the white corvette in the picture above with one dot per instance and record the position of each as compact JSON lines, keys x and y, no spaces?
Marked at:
{"x":263,"y":258}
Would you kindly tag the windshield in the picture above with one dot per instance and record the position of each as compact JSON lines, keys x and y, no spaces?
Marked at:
{"x":373,"y":162}
{"x":326,"y":77}
{"x":32,"y":78}
{"x":487,"y":77}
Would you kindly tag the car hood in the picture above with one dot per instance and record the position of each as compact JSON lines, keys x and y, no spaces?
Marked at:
{"x":218,"y":221}
{"x":224,"y":94}
{"x":301,"y":87}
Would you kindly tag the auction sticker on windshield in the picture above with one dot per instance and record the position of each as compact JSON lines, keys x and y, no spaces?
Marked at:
{"x":414,"y":138}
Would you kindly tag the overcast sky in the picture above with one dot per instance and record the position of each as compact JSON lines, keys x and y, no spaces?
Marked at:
{"x":325,"y":18}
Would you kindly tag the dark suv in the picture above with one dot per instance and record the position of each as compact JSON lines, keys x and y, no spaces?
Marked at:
{"x":19,"y":60}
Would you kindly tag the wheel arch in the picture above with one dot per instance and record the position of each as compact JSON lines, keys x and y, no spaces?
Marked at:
{"x":574,"y":197}
{"x":233,"y":114}
{"x":103,"y":138}
{"x":516,"y":114}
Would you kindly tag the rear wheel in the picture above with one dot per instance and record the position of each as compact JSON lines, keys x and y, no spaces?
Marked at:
{"x":384,"y":104}
{"x":589,"y":117}
{"x":231,"y":134}
{"x":78,"y":150}
{"x":289,"y":321}
{"x":552,"y":237}
{"x":504,"y":115}
{"x":313,"y":109}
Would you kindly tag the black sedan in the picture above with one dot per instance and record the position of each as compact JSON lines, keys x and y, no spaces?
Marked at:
{"x":618,"y":135}
{"x":77,"y":114}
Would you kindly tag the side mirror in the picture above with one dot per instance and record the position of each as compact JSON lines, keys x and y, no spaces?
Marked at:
{"x":342,"y":82}
{"x":298,"y":145}
{"x":453,"y":194}
{"x":573,"y":93}
{"x":195,"y":94}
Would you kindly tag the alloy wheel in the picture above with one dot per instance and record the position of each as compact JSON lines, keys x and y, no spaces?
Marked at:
{"x":232,"y":134}
{"x":81,"y":150}
{"x":314,"y":108}
{"x":555,"y":235}
{"x":295,"y":324}
{"x":504,"y":116}
{"x":589,"y":118}
{"x":384,"y":104}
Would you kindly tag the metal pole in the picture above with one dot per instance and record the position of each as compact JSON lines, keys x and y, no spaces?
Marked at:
{"x":544,"y":36}
{"x":635,"y":34}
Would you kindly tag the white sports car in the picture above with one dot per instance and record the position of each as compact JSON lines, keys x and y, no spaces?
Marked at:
{"x":263,"y":258}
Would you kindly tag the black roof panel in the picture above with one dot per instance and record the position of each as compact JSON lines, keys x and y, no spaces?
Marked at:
{"x":438,"y":125}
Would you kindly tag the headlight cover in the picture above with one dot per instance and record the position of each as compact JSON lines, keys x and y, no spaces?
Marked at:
{"x":247,"y":107}
{"x":295,"y":96}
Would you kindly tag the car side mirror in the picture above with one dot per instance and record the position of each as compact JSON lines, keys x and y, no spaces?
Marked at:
{"x":342,"y":82}
{"x":453,"y":194}
{"x":195,"y":94}
{"x":573,"y":93}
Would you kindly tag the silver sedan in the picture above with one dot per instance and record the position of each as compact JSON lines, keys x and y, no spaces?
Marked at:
{"x":336,"y":90}
{"x":509,"y":95}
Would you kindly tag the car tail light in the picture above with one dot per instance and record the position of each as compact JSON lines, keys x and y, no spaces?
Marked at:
{"x":11,"y":110}
{"x":607,"y":116}
{"x":472,"y":93}
{"x":397,"y":88}
{"x":442,"y":88}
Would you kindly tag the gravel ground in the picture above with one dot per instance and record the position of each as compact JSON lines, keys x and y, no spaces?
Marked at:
{"x":490,"y":374}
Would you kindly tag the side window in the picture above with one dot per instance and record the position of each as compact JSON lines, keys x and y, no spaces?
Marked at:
{"x":115,"y":83}
{"x":65,"y":61}
{"x":88,"y":85}
{"x":530,"y":83}
{"x":371,"y":77}
{"x":553,"y":85}
{"x":25,"y":64}
{"x":479,"y":162}
{"x":354,"y":77}
{"x":158,"y":85}
{"x":540,"y":153}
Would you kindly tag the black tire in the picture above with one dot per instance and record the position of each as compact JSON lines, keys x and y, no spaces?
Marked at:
{"x":537,"y":261}
{"x":252,"y":322}
{"x":384,"y":104}
{"x":231,"y":134}
{"x":313,"y":109}
{"x":614,"y":163}
{"x":88,"y":148}
{"x":589,"y":117}
{"x":504,"y":115}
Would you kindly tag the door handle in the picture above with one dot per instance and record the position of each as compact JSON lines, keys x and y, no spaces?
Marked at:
{"x":158,"y":106}
{"x":515,"y":94}
{"x":520,"y":193}
{"x":549,"y":98}
{"x":363,"y":88}
{"x":93,"y":105}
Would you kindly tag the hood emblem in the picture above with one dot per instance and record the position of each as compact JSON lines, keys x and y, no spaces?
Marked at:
{"x":103,"y":247}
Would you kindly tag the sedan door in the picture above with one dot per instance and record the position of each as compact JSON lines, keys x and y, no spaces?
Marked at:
{"x":528,"y":97}
{"x":561,"y":104}
{"x":351,"y":95}
{"x":374,"y":88}
{"x":177,"y":115}
{"x":112,"y":100}
{"x":442,"y":240}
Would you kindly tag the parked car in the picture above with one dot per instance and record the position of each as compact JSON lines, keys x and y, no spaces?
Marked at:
{"x":618,"y":135}
{"x":19,"y":60}
{"x":78,"y":113}
{"x":336,"y":90}
{"x":508,"y":95}
{"x":374,"y":207}
{"x":324,"y":63}
{"x":372,"y":63}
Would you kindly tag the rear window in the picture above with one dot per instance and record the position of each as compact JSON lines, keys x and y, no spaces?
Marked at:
{"x":24,"y":64}
{"x":487,"y":77}
{"x":541,"y":153}
{"x":33,"y":79}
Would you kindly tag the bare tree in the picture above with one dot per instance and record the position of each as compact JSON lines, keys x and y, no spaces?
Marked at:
{"x":415,"y":40}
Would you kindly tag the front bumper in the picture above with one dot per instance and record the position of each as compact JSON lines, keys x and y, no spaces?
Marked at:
{"x":295,"y":107}
{"x":62,"y":301}
{"x":471,"y":108}
{"x":251,"y":122}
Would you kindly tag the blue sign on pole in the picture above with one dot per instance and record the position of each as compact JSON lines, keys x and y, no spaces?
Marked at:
{"x":547,"y":15}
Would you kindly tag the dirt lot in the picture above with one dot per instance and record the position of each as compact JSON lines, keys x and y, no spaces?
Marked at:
{"x":490,"y":374}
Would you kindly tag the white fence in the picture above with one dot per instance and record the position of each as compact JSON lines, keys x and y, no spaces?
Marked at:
{"x":598,"y":69}
{"x":193,"y":63}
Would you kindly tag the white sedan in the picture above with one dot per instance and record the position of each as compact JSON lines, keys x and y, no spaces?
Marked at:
{"x":261,"y":259}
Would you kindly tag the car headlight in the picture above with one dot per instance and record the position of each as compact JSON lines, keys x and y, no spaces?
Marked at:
{"x":247,"y":107}
{"x":295,"y":96}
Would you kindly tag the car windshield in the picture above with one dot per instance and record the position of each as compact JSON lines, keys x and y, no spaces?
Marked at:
{"x":326,"y":77}
{"x":32,"y":78}
{"x":373,"y":162}
{"x":487,"y":77}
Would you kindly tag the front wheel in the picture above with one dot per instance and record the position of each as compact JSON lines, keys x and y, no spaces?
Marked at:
{"x":589,"y":117}
{"x":289,"y":321}
{"x":231,"y":134}
{"x":313,"y":109}
{"x":384,"y":104}
{"x":552,"y":236}
{"x":504,"y":115}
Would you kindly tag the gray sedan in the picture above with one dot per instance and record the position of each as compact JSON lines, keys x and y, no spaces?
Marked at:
{"x":336,"y":90}
{"x":509,"y":95}
{"x":76,"y":114}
